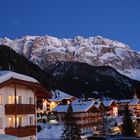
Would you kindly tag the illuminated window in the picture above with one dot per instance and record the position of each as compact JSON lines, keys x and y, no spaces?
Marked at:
{"x":10,"y":99}
{"x":115,"y":111}
{"x":19,"y":121}
{"x":10,"y":122}
{"x":52,"y":105}
{"x":68,"y":102}
{"x":19,"y":99}
{"x":0,"y":99}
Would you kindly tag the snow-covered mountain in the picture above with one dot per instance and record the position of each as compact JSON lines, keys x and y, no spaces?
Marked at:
{"x":97,"y":51}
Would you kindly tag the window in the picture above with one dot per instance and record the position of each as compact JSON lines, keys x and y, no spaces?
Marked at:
{"x":31,"y":120}
{"x":19,"y":99}
{"x":10,"y":122}
{"x":10,"y":99}
{"x":30,"y":100}
{"x":0,"y":99}
{"x":19,"y":121}
{"x":1,"y":123}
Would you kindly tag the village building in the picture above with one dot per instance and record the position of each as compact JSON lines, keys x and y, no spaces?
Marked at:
{"x":87,"y":115}
{"x":134,"y":106}
{"x":58,"y":98}
{"x":110,"y":107}
{"x":18,"y":96}
{"x":122,"y":103}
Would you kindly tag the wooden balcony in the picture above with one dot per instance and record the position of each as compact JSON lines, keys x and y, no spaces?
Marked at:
{"x":11,"y":109}
{"x":21,"y":131}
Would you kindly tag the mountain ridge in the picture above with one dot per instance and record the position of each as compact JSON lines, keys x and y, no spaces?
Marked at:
{"x":74,"y":78}
{"x":96,"y":51}
{"x":92,"y":81}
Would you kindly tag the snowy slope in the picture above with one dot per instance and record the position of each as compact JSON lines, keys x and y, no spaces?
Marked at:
{"x":45,"y":50}
{"x":50,"y":132}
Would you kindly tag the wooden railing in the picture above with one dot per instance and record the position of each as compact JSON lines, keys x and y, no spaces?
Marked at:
{"x":19,"y":109}
{"x":21,"y":131}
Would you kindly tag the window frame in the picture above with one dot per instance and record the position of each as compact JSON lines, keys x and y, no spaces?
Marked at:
{"x":1,"y":123}
{"x":1,"y":99}
{"x":31,"y":120}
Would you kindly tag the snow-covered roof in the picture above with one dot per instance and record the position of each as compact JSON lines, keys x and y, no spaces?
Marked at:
{"x":133,"y":102}
{"x":59,"y":96}
{"x":124,"y":101}
{"x":77,"y":105}
{"x":61,"y":108}
{"x":6,"y":75}
{"x":107,"y":102}
{"x":97,"y":103}
{"x":82,"y":105}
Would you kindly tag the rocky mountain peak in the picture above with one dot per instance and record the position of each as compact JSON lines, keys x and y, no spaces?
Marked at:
{"x":97,"y":51}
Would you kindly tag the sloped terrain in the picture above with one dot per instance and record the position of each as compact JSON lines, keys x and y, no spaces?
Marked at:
{"x":77,"y":79}
{"x":96,"y":51}
{"x":81,"y":79}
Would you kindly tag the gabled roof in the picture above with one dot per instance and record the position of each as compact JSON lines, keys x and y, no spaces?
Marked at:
{"x":133,"y":102}
{"x":77,"y":105}
{"x":61,"y":108}
{"x":123,"y":101}
{"x":82,"y":105}
{"x":7,"y":75}
{"x":97,"y":103}
{"x":60,"y":96}
{"x":107,"y":103}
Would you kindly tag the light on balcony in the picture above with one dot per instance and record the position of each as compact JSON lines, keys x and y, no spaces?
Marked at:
{"x":9,"y":119}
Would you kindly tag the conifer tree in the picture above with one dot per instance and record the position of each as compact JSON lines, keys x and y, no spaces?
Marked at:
{"x":71,"y":129}
{"x":128,"y":125}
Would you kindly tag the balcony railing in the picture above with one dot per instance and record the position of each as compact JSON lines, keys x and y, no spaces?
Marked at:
{"x":19,"y":109}
{"x":21,"y":131}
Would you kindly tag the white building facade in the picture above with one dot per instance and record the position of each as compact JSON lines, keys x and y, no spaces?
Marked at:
{"x":18,"y":104}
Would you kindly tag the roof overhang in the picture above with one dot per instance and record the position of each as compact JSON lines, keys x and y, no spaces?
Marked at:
{"x":40,"y":91}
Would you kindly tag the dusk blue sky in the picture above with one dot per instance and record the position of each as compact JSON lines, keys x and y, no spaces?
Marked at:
{"x":113,"y":19}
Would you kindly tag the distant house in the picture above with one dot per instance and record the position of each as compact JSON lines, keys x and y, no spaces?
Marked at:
{"x":87,"y":114}
{"x":110,"y":107}
{"x":18,"y":94}
{"x":122,"y":103}
{"x":134,"y":106}
{"x":58,"y":98}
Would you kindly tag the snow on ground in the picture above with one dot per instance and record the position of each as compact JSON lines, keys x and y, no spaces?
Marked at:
{"x":50,"y":132}
{"x":8,"y":137}
{"x":71,"y":49}
{"x":78,"y":50}
{"x":54,"y":132}
{"x":132,"y":73}
{"x":107,"y":56}
{"x":90,"y":54}
{"x":121,"y":52}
